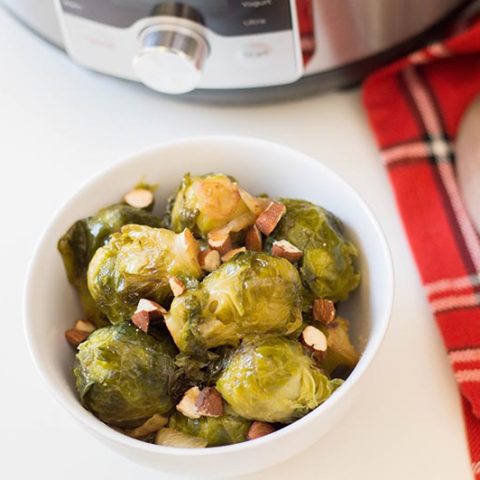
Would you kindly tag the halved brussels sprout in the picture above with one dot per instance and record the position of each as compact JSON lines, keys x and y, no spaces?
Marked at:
{"x":123,"y":375}
{"x":327,"y":264}
{"x":137,"y":263}
{"x":252,"y":293}
{"x":225,"y":430}
{"x":206,"y":203}
{"x":271,"y":379}
{"x":340,"y":351}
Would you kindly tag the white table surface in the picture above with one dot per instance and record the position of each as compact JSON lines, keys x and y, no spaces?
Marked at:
{"x":60,"y":124}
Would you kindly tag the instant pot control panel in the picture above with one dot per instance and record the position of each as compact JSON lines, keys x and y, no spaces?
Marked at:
{"x":175,"y":47}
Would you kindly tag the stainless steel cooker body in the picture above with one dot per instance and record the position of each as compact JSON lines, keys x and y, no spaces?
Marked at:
{"x":236,"y":49}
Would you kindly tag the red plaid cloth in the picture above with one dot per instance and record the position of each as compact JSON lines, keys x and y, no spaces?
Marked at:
{"x":415,"y":106}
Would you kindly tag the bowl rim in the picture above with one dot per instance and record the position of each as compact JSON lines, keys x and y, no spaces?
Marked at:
{"x":85,"y":418}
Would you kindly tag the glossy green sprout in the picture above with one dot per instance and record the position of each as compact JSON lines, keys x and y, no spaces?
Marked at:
{"x":271,"y":379}
{"x":78,"y":245}
{"x":206,"y":203}
{"x":252,"y":293}
{"x":123,"y":375}
{"x":137,"y":262}
{"x":327,"y":266}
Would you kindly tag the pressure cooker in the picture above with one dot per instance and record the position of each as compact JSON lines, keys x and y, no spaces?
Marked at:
{"x":236,"y":48}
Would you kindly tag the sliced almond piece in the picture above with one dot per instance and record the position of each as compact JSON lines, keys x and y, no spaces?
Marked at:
{"x":84,"y":326}
{"x":253,"y":239}
{"x":139,"y":198}
{"x":187,"y":405}
{"x":153,"y":424}
{"x":324,"y":311}
{"x":147,"y":310}
{"x":209,"y":260}
{"x":314,"y":339}
{"x":229,"y":255}
{"x":177,"y":286}
{"x":284,"y":249}
{"x":270,"y":217}
{"x":210,"y":403}
{"x":255,"y":204}
{"x":76,"y":337}
{"x":259,"y":429}
{"x":220,"y":241}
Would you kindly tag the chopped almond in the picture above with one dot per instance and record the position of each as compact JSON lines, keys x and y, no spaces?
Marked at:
{"x":314,"y":339}
{"x":177,"y":286}
{"x":209,"y":260}
{"x":220,"y":242}
{"x":324,"y":311}
{"x":139,"y":198}
{"x":270,"y":217}
{"x":153,"y":308}
{"x":259,"y":429}
{"x":210,"y":403}
{"x":284,"y":249}
{"x":253,"y":239}
{"x":147,"y":310}
{"x":84,"y":326}
{"x":255,"y":204}
{"x":229,"y":255}
{"x":141,"y":320}
{"x":76,"y":337}
{"x":187,"y":405}
{"x":153,"y":424}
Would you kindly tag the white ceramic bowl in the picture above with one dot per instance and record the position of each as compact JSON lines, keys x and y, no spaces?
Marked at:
{"x":51,"y":306}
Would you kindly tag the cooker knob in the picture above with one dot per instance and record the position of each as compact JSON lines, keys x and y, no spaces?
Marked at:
{"x":171,"y":58}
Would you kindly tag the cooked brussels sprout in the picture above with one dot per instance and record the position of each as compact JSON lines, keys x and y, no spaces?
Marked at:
{"x":137,"y":263}
{"x":123,"y":375}
{"x":206,"y":203}
{"x":340,"y":352}
{"x":271,"y":379}
{"x":217,"y":431}
{"x":327,"y":265}
{"x":252,"y":293}
{"x":82,"y":240}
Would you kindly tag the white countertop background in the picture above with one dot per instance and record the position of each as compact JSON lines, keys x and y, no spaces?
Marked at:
{"x":60,"y":124}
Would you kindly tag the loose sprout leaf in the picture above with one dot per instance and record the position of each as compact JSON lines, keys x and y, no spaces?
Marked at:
{"x":217,"y":431}
{"x":340,"y":352}
{"x":327,"y":266}
{"x":123,"y":375}
{"x":78,"y":245}
{"x":271,"y":379}
{"x":253,"y":293}
{"x":138,"y":262}
{"x":172,"y":438}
